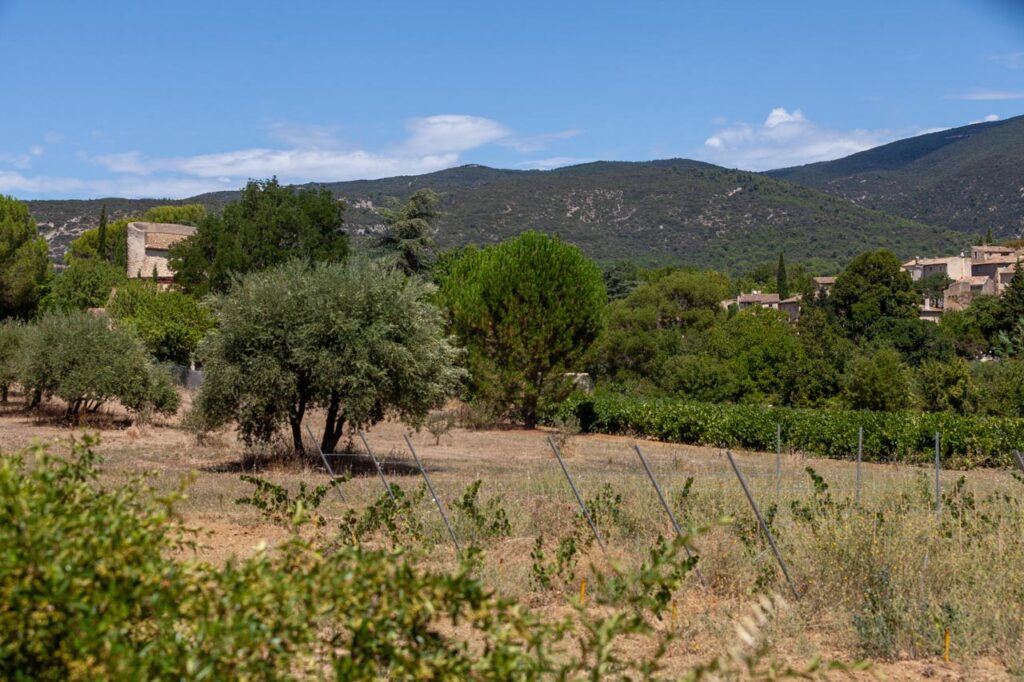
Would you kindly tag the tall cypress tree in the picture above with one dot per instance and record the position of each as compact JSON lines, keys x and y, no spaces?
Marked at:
{"x":101,"y":238}
{"x":988,"y":236}
{"x":781,"y":280}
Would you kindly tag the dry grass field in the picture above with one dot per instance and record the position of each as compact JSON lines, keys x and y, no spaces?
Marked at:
{"x":880,"y":582}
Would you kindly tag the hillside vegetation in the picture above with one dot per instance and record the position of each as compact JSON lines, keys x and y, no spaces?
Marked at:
{"x":662,"y":211}
{"x":968,"y":179}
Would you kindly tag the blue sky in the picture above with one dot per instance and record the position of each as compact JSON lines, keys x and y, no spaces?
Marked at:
{"x":172,"y":99}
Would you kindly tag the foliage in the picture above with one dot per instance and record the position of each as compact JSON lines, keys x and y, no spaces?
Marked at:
{"x":487,"y":520}
{"x":180,"y":214}
{"x":410,"y":230}
{"x":85,"y":283}
{"x":86,"y":362}
{"x":916,"y":340}
{"x":25,"y":268}
{"x":903,"y":436}
{"x":392,"y":513}
{"x":10,"y":351}
{"x":268,"y":225}
{"x":1000,"y":387}
{"x":870,"y":288}
{"x":362,"y":341}
{"x":878,"y":380}
{"x":947,"y":387}
{"x":528,"y":311}
{"x":278,"y":506}
{"x":170,"y":324}
{"x":114,"y":249}
{"x":646,"y":327}
{"x":932,"y":287}
{"x":781,"y":279}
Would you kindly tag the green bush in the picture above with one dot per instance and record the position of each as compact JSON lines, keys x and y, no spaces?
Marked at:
{"x":10,"y":346}
{"x":86,"y":362}
{"x":95,"y":586}
{"x":903,"y":436}
{"x":170,"y":323}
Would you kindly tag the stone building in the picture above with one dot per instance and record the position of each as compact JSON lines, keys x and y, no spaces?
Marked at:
{"x":149,"y":245}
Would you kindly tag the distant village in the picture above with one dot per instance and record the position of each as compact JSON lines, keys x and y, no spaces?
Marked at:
{"x":987,"y":271}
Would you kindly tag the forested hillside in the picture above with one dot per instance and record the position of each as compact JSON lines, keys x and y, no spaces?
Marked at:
{"x":969,"y":179}
{"x":673,"y":210}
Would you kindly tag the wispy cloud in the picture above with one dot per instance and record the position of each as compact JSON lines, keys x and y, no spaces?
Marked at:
{"x":788,"y":138}
{"x":988,"y":95}
{"x":527,"y":144}
{"x":309,"y":153}
{"x":1011,"y":60}
{"x":985,"y":119}
{"x":553,"y":162}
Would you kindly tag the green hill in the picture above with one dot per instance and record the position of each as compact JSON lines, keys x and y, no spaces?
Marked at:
{"x":968,"y":179}
{"x":670,"y":211}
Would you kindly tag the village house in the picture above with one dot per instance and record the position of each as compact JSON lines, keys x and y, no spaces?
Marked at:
{"x":790,"y":306}
{"x":987,"y":271}
{"x":149,"y":247}
{"x":823,"y":285}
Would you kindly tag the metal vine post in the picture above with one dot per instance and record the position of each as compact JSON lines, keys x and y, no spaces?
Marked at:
{"x":327,"y":465}
{"x":938,"y":485}
{"x":860,"y":452}
{"x":579,"y":500}
{"x":440,"y":509}
{"x":376,"y":463}
{"x":764,"y":526}
{"x":668,"y":510}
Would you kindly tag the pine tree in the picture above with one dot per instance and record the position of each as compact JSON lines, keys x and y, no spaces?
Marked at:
{"x":101,"y":237}
{"x":781,"y":280}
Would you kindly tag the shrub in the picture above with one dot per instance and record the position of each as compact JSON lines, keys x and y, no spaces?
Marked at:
{"x":905,"y":436}
{"x":84,"y":361}
{"x":170,"y":323}
{"x":85,"y":283}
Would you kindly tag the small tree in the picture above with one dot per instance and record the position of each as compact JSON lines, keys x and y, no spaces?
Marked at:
{"x":781,"y":280}
{"x":528,"y":311}
{"x":86,"y":362}
{"x":10,"y":346}
{"x":101,"y":233}
{"x":85,"y":283}
{"x":878,"y":380}
{"x":170,"y":323}
{"x":361,"y":341}
{"x":946,"y":387}
{"x":410,"y":231}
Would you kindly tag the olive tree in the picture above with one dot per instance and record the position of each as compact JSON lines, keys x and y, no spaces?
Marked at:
{"x":361,"y":341}
{"x":10,"y":346}
{"x":527,"y":310}
{"x":86,"y":362}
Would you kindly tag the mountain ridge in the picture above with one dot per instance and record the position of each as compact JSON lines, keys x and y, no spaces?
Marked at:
{"x":664,"y":211}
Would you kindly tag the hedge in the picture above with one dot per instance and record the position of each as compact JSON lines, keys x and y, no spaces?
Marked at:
{"x":967,"y":441}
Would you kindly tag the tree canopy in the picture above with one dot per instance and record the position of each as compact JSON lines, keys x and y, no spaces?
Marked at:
{"x":528,"y":310}
{"x":268,"y":225}
{"x":25,"y":268}
{"x":360,"y":340}
{"x":871,"y":287}
{"x":410,"y":231}
{"x":169,"y":323}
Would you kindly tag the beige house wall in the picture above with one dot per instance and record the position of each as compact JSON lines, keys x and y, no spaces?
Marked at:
{"x":149,"y":246}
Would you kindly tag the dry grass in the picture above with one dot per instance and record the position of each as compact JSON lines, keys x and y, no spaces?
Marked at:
{"x":879,"y":581}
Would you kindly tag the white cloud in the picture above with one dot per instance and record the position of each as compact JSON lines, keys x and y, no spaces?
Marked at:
{"x":52,"y":137}
{"x":985,"y":119}
{"x":311,"y":153}
{"x":788,"y":138}
{"x":450,"y":133}
{"x":987,"y":95}
{"x":1011,"y":60}
{"x":535,"y":143}
{"x":129,"y":187}
{"x":553,"y":162}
